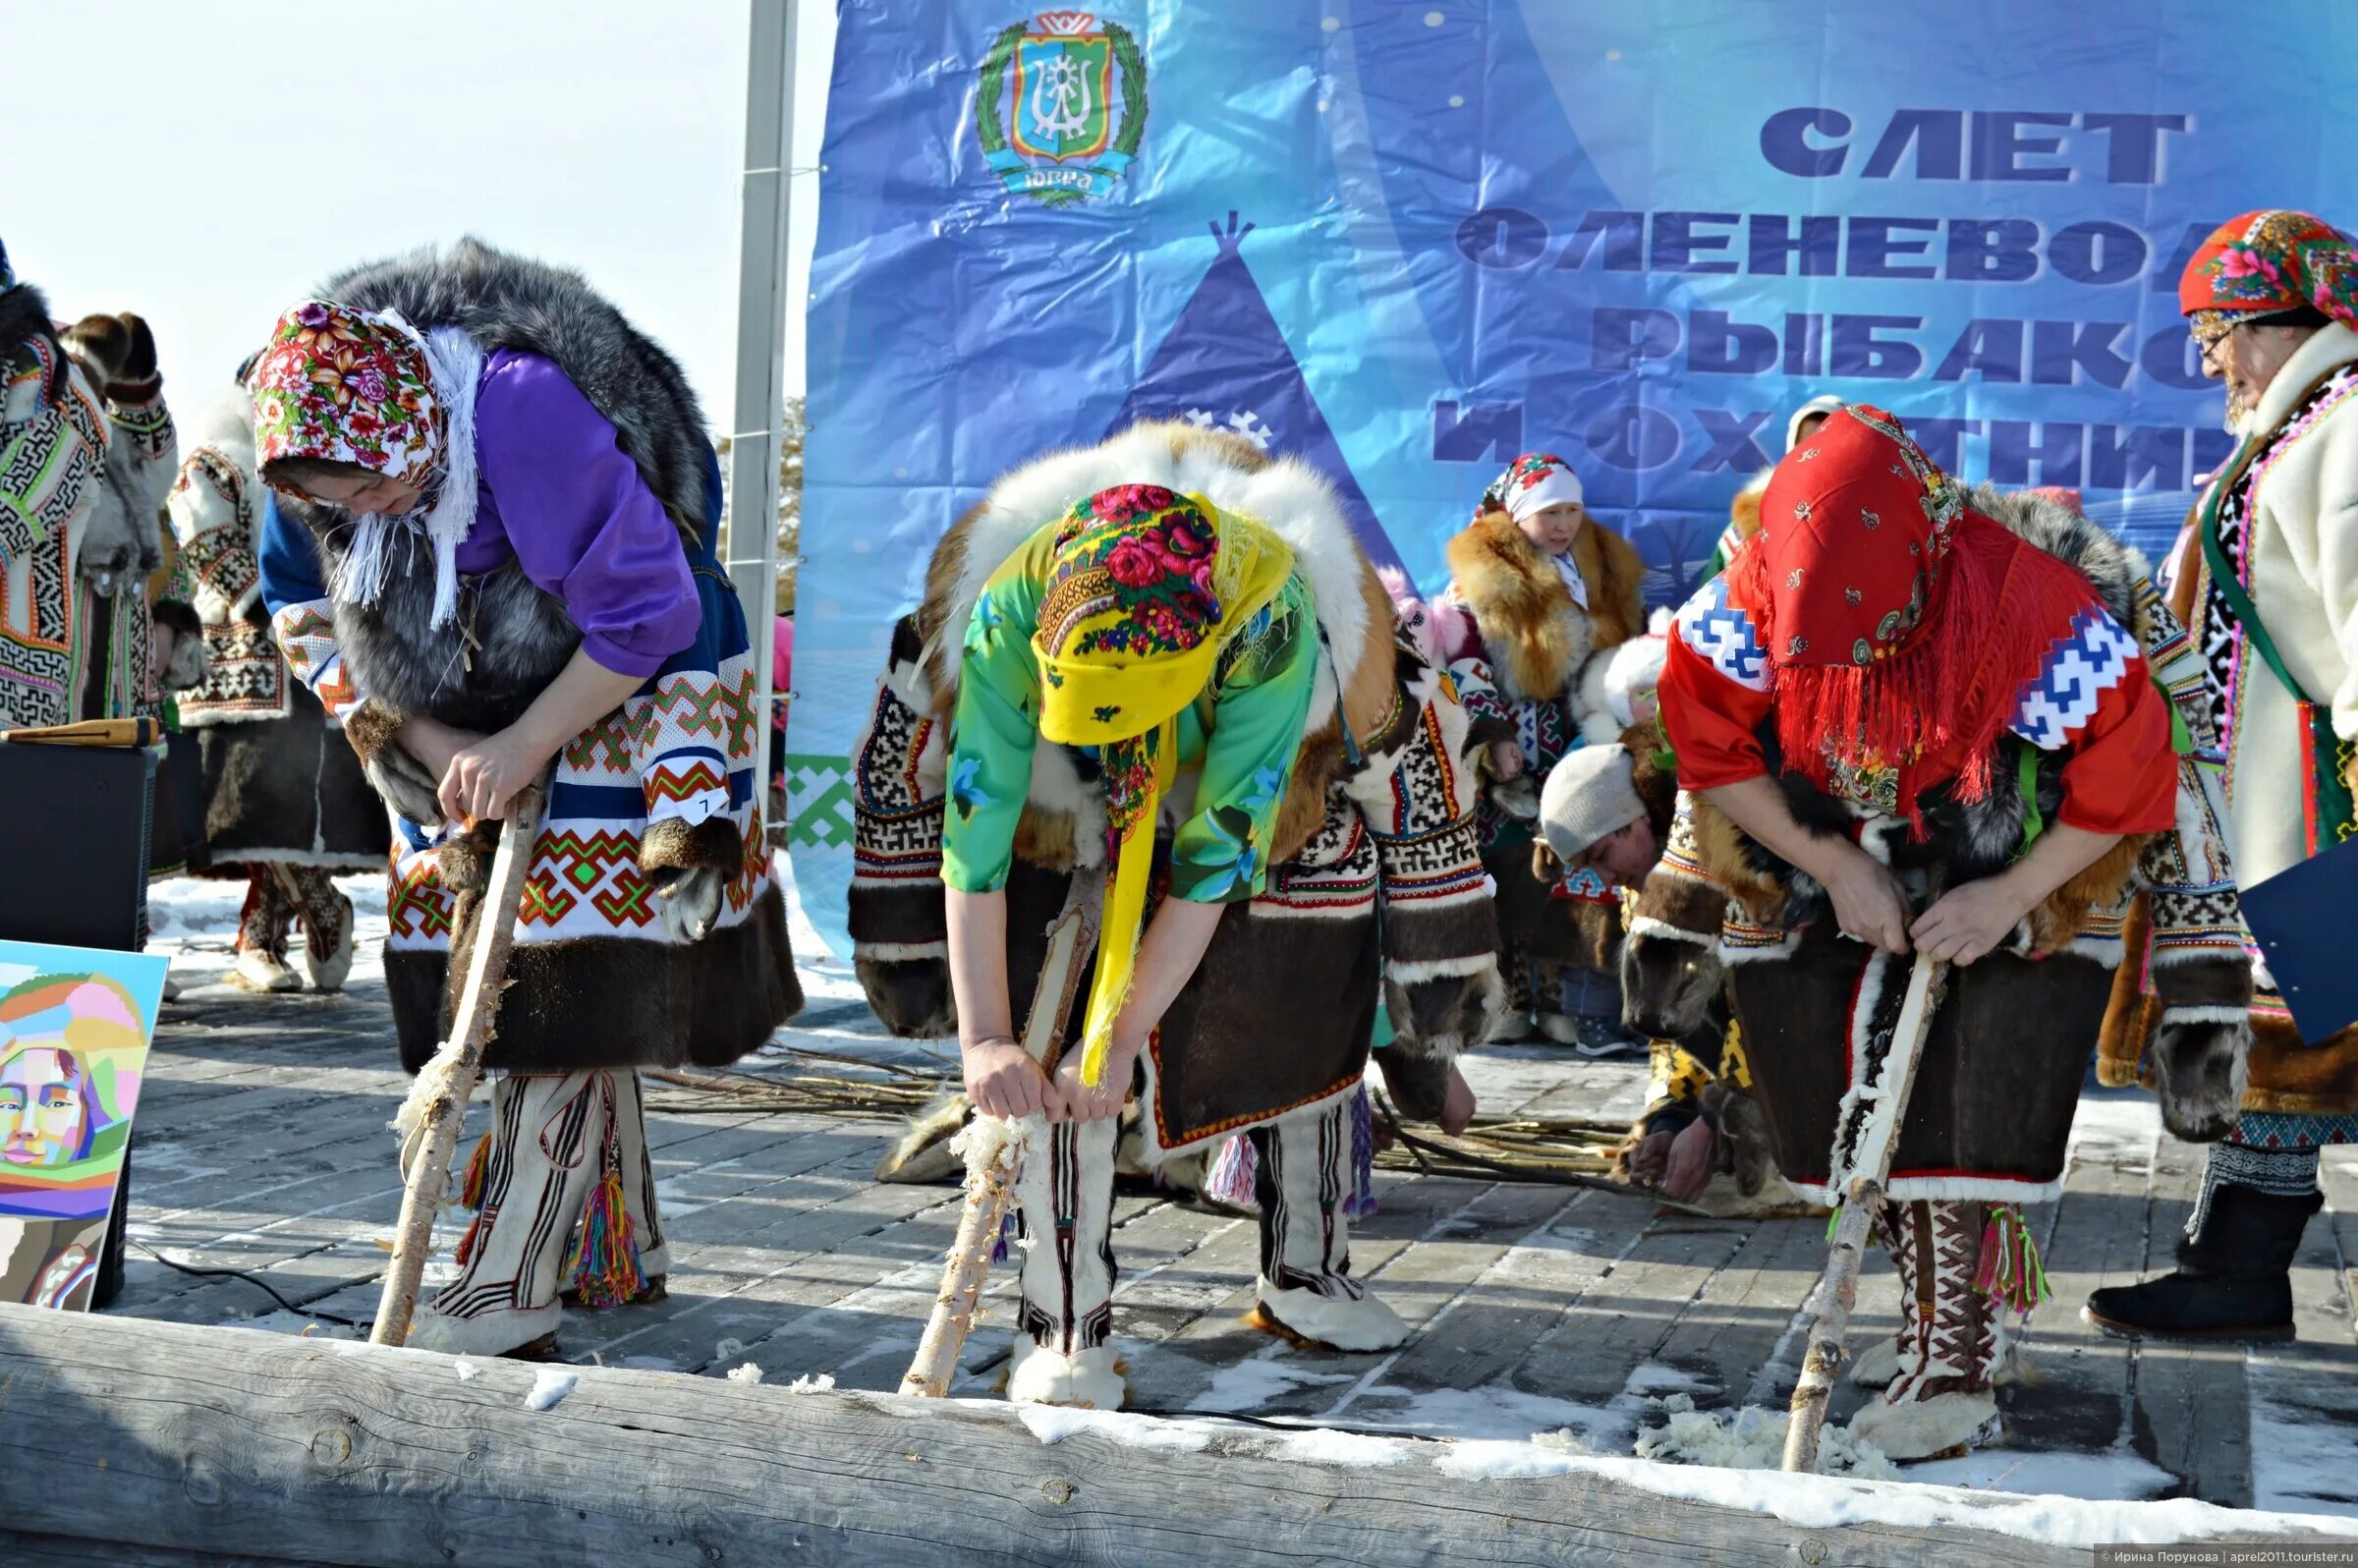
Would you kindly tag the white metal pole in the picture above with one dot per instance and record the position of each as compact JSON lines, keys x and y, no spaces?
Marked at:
{"x":761,"y":306}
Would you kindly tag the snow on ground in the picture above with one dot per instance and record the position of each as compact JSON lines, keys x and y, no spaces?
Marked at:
{"x":194,"y":920}
{"x":1814,"y":1502}
{"x":1492,"y":1431}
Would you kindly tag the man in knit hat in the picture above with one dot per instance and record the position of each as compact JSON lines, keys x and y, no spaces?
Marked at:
{"x":1594,"y":819}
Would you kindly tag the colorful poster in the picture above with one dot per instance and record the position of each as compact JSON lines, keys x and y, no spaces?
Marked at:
{"x":74,"y":1025}
{"x":1407,"y":240}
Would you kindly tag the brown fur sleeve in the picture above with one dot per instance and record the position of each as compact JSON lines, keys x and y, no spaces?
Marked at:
{"x":671,"y":846}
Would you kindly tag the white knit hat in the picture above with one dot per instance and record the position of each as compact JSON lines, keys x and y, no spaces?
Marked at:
{"x":1592,"y":792}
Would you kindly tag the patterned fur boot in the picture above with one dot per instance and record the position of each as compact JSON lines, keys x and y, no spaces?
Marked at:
{"x":1941,"y":1401}
{"x":262,"y":936}
{"x":1307,"y":1289}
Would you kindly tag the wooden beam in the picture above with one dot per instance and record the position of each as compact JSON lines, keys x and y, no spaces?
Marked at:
{"x":177,"y":1440}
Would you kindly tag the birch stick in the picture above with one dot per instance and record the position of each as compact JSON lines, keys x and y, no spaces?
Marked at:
{"x":1838,"y":1287}
{"x":436,"y":1107}
{"x":995,"y":1148}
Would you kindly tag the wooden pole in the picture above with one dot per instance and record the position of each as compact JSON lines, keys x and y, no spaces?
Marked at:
{"x":201,"y":1446}
{"x":995,"y":1148}
{"x":1867,"y":1169}
{"x":438,"y":1102}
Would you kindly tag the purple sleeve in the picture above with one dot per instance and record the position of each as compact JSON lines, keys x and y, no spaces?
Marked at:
{"x":583,"y":523}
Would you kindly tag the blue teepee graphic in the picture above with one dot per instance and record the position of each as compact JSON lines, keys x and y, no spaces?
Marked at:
{"x":1225,"y":364}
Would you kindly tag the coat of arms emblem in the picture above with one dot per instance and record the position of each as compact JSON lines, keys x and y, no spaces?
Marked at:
{"x":1070,"y":123}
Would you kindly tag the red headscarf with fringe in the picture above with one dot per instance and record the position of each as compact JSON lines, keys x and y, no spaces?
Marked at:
{"x":1899,"y":625}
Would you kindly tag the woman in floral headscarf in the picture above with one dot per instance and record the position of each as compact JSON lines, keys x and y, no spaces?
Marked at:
{"x":1548,"y":591}
{"x":1190,"y":680}
{"x":488,"y":550}
{"x":1885,"y":684}
{"x":2267,"y":584}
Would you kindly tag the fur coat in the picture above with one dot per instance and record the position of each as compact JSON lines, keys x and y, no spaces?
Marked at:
{"x":1719,"y":906}
{"x":2300,"y":465}
{"x":651,"y":932}
{"x":1381,"y":818}
{"x":1535,"y":644}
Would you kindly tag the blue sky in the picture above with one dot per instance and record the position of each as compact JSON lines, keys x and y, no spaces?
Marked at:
{"x":205,"y":164}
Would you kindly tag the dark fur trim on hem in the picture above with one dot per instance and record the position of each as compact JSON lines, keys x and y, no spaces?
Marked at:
{"x":616,"y":1001}
{"x":912,"y":912}
{"x":1413,"y":935}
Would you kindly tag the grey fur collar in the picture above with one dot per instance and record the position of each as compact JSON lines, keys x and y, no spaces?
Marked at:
{"x":511,"y":639}
{"x":509,"y":301}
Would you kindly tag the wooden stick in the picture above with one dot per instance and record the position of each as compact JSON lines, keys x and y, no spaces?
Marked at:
{"x":995,"y":1148}
{"x":1869,"y":1168}
{"x":447,"y":1083}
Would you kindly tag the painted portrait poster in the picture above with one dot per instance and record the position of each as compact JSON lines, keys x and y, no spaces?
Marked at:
{"x":74,"y":1025}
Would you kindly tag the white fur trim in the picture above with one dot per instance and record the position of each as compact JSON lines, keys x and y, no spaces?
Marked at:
{"x":1778,"y":953}
{"x":1635,"y":668}
{"x":1921,"y":1427}
{"x":1089,"y":1380}
{"x":2172,"y":956}
{"x":331,"y":973}
{"x":1878,"y":1363}
{"x":257,"y":971}
{"x":2103,"y":951}
{"x":1289,"y":497}
{"x":1649,"y":926}
{"x":1945,"y":1188}
{"x":2205,"y":1015}
{"x":898,"y":952}
{"x":1824,"y":404}
{"x":1338,"y":1322}
{"x":485,"y":1335}
{"x":1414,"y":972}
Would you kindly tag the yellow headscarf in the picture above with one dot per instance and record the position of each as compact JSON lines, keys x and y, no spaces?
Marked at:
{"x":1145,"y":588}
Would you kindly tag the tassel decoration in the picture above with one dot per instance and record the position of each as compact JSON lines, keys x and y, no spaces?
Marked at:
{"x":1004,"y":1247}
{"x":1233,"y":1173}
{"x":2010,"y":1269}
{"x":479,"y":1172}
{"x":1362,"y":1202}
{"x":466,"y":1242}
{"x":604,"y":1265}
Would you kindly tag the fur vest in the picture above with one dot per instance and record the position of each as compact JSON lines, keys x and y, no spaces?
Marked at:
{"x":1538,"y":643}
{"x":524,"y":636}
{"x":1063,"y":821}
{"x":1966,"y":841}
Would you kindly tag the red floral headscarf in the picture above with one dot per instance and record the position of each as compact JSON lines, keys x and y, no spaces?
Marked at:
{"x":1533,"y":480}
{"x":1899,"y":625}
{"x":2266,"y":263}
{"x":348,"y":387}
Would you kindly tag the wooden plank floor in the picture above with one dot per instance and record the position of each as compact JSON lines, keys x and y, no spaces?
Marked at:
{"x":261,"y":1146}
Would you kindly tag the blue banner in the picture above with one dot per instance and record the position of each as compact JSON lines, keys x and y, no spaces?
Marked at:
{"x":1408,"y":242}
